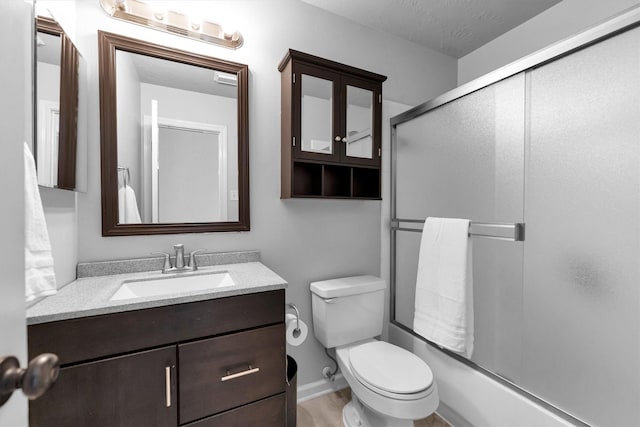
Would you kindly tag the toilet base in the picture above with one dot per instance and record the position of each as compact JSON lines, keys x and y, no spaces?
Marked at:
{"x":355,"y":414}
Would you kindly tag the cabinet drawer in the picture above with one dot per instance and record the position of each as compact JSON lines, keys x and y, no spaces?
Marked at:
{"x":225,"y":372}
{"x":270,"y":412}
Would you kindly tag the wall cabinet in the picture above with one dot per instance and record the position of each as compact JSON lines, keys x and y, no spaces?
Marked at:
{"x":219,"y":362}
{"x":331,"y":129}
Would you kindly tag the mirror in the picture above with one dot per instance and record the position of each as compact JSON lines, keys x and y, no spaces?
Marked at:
{"x":60,"y":96}
{"x":359,"y":122}
{"x":174,"y":140}
{"x":317,"y":115}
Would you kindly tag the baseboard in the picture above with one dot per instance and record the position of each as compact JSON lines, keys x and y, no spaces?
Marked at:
{"x":321,"y":387}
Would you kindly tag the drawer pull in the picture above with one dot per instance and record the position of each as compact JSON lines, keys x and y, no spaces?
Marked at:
{"x":167,"y":385}
{"x":230,"y":376}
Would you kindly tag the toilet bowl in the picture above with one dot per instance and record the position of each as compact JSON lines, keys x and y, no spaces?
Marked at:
{"x":390,"y":386}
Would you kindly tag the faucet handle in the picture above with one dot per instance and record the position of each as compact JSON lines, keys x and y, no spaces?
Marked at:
{"x":167,"y":261}
{"x":192,"y":259}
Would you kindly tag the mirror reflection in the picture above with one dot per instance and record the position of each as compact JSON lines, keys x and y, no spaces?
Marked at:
{"x":359,"y":122}
{"x":317,"y":115}
{"x":177,"y":141}
{"x":59,"y":147}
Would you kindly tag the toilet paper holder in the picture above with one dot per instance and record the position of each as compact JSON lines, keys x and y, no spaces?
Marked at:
{"x":293,"y":306}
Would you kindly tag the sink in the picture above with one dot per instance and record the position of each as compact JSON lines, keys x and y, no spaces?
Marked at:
{"x":159,"y":286}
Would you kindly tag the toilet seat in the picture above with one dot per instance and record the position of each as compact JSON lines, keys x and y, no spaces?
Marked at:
{"x":390,"y":371}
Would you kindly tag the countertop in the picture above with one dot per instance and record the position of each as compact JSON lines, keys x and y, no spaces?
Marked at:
{"x":89,"y":296}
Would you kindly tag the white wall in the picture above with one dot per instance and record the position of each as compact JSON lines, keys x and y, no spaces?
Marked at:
{"x":302,"y":240}
{"x":554,"y":24}
{"x":129,"y":122}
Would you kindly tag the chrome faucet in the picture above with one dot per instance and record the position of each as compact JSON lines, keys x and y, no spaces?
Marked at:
{"x":179,"y":265}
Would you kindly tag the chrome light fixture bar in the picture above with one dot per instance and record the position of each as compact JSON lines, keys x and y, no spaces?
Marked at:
{"x":146,"y":14}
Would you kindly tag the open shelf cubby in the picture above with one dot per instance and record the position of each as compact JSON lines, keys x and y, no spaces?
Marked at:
{"x":307,"y":179}
{"x":365,"y":183}
{"x":334,"y":181}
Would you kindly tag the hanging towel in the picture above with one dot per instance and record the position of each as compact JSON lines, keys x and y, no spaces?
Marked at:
{"x":40,"y":278}
{"x":128,"y":206}
{"x":444,"y":286}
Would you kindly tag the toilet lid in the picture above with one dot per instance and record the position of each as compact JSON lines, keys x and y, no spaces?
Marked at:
{"x":390,"y":368}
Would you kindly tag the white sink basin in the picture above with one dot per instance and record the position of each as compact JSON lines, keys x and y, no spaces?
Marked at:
{"x":172,"y":285}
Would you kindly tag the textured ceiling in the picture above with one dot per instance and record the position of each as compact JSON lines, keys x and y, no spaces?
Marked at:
{"x":453,"y":27}
{"x":177,"y":75}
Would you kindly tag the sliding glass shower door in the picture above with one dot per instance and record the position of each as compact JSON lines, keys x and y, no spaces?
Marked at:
{"x":581,"y":312}
{"x":556,"y":147}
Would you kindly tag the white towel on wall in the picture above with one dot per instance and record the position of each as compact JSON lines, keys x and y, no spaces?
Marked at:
{"x":40,"y":278}
{"x":444,"y":286}
{"x":128,"y":206}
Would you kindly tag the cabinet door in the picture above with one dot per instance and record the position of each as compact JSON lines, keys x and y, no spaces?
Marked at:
{"x":134,"y":390}
{"x":316,"y":118}
{"x":360,"y":133}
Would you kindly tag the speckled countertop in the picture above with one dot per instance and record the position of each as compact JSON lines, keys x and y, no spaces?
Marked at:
{"x":89,"y":296}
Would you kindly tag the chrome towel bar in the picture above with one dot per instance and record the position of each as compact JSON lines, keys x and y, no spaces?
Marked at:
{"x":501,"y":231}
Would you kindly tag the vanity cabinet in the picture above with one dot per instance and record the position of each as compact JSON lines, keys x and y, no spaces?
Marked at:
{"x":331,"y":129}
{"x":219,"y":362}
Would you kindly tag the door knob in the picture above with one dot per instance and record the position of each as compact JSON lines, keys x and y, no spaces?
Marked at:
{"x":34,"y":381}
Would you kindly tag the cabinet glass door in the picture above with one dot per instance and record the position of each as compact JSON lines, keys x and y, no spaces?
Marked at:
{"x":361,"y":109}
{"x":316,"y":123}
{"x":316,"y":108}
{"x":359,"y":135}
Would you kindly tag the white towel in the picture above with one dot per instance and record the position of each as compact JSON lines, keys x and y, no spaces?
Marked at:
{"x":128,"y":206}
{"x":40,"y":278}
{"x":444,"y":286}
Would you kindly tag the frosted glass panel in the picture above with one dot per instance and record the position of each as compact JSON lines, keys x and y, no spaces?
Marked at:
{"x":582,"y":293}
{"x":407,"y":249}
{"x":466,"y":160}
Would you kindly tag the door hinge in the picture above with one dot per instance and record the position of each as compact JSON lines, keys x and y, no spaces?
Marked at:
{"x":380,"y":98}
{"x":294,"y":141}
{"x":294,"y":79}
{"x":379,"y":152}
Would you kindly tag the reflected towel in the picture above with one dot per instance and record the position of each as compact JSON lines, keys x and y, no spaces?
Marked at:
{"x":444,"y":286}
{"x":128,"y":206}
{"x":40,"y":278}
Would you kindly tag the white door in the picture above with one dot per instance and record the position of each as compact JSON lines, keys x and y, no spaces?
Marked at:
{"x":15,"y":127}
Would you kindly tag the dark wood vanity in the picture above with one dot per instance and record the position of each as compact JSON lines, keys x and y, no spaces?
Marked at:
{"x":219,"y":362}
{"x":331,"y":129}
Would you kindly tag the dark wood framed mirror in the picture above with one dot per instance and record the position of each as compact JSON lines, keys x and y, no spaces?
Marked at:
{"x":56,"y":107}
{"x":174,"y":135}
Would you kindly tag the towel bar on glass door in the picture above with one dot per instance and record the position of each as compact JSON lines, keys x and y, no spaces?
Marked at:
{"x":511,"y":232}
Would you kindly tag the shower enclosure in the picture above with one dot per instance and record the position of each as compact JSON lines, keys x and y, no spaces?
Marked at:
{"x":544,"y":157}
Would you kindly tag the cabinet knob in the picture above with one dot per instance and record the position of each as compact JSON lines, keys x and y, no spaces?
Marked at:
{"x":337,"y":139}
{"x":34,"y":381}
{"x":344,"y":139}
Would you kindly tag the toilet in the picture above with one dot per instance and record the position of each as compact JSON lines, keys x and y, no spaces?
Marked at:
{"x":390,"y":386}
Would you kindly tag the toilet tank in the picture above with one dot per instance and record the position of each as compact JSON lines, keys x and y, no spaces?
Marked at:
{"x":348,"y":309}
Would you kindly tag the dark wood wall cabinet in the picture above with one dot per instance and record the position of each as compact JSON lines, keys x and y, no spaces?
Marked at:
{"x":331,"y":129}
{"x":219,"y":362}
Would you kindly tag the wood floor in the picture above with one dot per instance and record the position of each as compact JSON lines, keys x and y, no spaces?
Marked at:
{"x":326,"y":411}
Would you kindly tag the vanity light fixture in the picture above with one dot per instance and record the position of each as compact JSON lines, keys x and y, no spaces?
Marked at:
{"x":149,"y":14}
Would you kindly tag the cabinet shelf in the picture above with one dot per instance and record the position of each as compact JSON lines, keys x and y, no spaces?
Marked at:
{"x":331,"y":129}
